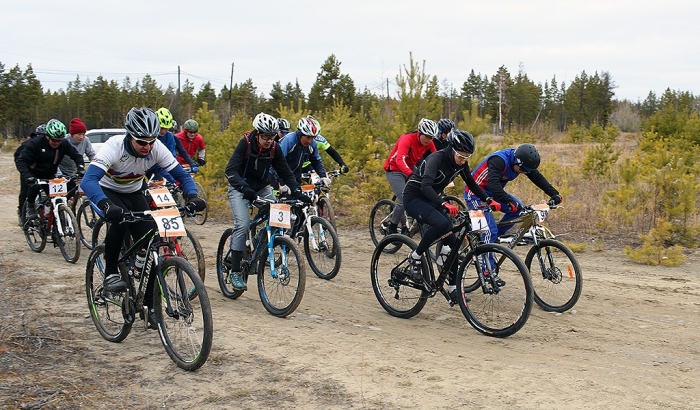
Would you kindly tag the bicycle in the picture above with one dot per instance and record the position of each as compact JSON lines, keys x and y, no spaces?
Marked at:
{"x":199,"y":217}
{"x":496,"y":299}
{"x":55,"y":220}
{"x":324,"y":209}
{"x":380,"y":217}
{"x":85,"y":216}
{"x":281,"y":288}
{"x":558,"y":286}
{"x":184,"y":322}
{"x":321,"y":243}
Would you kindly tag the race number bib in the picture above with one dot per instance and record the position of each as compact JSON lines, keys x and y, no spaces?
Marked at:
{"x":541,"y":210}
{"x":169,"y":222}
{"x":58,"y":187}
{"x":309,"y":190}
{"x":280,"y":216}
{"x":478,"y":221}
{"x":162,"y":197}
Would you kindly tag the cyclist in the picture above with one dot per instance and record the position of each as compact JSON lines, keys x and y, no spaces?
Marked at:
{"x":247,"y":173}
{"x":492,"y":175}
{"x":422,"y":198}
{"x":165,"y":118}
{"x":284,"y":128}
{"x":299,"y":147}
{"x":40,"y":158}
{"x":76,"y":131}
{"x":407,"y":151}
{"x":113,"y":182}
{"x":23,"y":187}
{"x":192,"y":142}
{"x":323,"y":145}
{"x":445,"y":125}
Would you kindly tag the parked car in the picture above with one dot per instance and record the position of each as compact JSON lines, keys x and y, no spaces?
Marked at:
{"x":99,"y":136}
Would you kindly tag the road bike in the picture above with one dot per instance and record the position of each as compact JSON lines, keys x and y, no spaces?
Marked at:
{"x":180,"y":301}
{"x":321,"y":244}
{"x":55,"y":221}
{"x":380,"y":217}
{"x":496,"y":299}
{"x":324,"y":209}
{"x":556,"y":275}
{"x":270,"y":255}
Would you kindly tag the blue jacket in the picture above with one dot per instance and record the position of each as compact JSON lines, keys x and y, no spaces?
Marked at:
{"x":296,"y":154}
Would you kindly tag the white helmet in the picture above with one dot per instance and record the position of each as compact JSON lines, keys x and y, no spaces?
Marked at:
{"x":309,"y":126}
{"x":266,"y":123}
{"x":428,"y":127}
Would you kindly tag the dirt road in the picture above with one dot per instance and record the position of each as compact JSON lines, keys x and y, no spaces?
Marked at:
{"x":631,"y":342}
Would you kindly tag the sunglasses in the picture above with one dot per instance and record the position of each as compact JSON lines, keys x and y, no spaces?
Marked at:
{"x":267,"y":136}
{"x":462,"y":157}
{"x":522,"y":166}
{"x":192,"y":132}
{"x":427,"y":136}
{"x":142,"y":142}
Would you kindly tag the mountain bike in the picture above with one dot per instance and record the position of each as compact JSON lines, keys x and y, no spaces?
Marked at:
{"x":324,"y":209}
{"x":55,"y":221}
{"x":85,"y":216}
{"x":270,"y":255}
{"x":496,"y":299}
{"x":321,"y":243}
{"x":184,"y":321}
{"x":380,"y":217}
{"x":556,"y":276}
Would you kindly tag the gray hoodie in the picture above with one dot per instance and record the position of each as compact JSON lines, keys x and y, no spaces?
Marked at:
{"x":67,"y":166}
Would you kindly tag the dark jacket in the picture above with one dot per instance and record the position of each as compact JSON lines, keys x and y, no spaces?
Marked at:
{"x":39,"y":160}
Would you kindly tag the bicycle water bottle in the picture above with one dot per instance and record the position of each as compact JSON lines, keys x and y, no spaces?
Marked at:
{"x":442,"y":257}
{"x":138,"y":263}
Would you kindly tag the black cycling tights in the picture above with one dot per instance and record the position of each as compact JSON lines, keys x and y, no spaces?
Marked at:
{"x":433,"y":215}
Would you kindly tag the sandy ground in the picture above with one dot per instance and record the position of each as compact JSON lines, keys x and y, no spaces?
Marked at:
{"x":632,"y":341}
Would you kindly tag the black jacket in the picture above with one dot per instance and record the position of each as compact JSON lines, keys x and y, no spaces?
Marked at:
{"x":38,"y":159}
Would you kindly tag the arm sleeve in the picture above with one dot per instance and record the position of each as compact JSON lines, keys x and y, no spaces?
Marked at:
{"x":73,"y":153}
{"x":181,"y":151}
{"x":186,"y":181}
{"x":24,"y":160}
{"x":473,"y":186}
{"x":401,"y":156}
{"x":281,"y":169}
{"x":335,"y":155}
{"x":496,"y":165}
{"x":541,"y":182}
{"x":91,"y":184}
{"x":317,"y":163}
{"x":432,"y":166}
{"x":89,"y":151}
{"x":237,"y":158}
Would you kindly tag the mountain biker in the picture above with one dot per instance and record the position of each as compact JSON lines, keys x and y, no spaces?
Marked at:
{"x":247,"y":172}
{"x":76,"y":138}
{"x":23,"y":186}
{"x":113,"y":182}
{"x":407,"y":151}
{"x":445,"y":125}
{"x":492,"y":175}
{"x":323,"y":145}
{"x":284,"y":126}
{"x":192,"y":142}
{"x":165,"y":118}
{"x":423,"y":202}
{"x":299,"y":147}
{"x":40,"y":158}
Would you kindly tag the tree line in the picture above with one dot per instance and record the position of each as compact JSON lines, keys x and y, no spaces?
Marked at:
{"x":504,"y":102}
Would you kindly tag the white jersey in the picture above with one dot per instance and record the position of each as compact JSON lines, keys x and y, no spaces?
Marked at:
{"x":124,"y":172}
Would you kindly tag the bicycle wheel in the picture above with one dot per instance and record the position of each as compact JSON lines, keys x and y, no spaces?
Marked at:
{"x":99,"y":231}
{"x":324,"y":261}
{"x":558,"y":284}
{"x":222,"y":272}
{"x":34,"y":232}
{"x":201,"y":216}
{"x":87,"y":218}
{"x":106,"y":308}
{"x":497,"y":311}
{"x":189,"y":248}
{"x":379,"y":220}
{"x":68,"y":240}
{"x":396,"y":292}
{"x":325,"y":210}
{"x":188,"y":331}
{"x":281,"y":293}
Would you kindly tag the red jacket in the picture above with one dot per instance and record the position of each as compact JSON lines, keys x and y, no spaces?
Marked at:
{"x":191,"y":146}
{"x":406,"y":153}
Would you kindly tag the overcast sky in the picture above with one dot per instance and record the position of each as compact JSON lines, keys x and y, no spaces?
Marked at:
{"x":644,"y":45}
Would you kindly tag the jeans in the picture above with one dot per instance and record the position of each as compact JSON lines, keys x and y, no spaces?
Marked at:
{"x":241,"y":218}
{"x":397,"y":181}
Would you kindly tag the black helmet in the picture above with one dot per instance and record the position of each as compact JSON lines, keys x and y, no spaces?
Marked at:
{"x":445,"y":125}
{"x":142,"y":122}
{"x":461,"y":140}
{"x":527,"y":157}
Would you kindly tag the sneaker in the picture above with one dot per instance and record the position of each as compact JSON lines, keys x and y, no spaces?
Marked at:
{"x":392,"y":229}
{"x":114,"y":283}
{"x":31,"y":212}
{"x":152,"y":321}
{"x":454,"y":295}
{"x":414,"y":270}
{"x":237,"y":281}
{"x":495,"y":279}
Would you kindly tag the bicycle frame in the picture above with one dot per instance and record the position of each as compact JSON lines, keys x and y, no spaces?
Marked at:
{"x":56,"y":200}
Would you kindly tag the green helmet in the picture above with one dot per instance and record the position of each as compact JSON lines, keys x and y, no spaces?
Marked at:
{"x":191,"y":125}
{"x":56,"y":130}
{"x":165,"y":117}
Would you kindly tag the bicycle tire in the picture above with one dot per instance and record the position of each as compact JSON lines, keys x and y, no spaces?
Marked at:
{"x":99,"y":232}
{"x":281,"y":295}
{"x":324,"y":262}
{"x":106,"y":308}
{"x":555,"y":290}
{"x":222,"y":273}
{"x":399,"y":295}
{"x":496,"y":311}
{"x":34,"y":232}
{"x":201,"y":216}
{"x":87,"y":218}
{"x":188,"y":248}
{"x":325,"y":210}
{"x":69,"y":242}
{"x":187,"y":334}
{"x":379,"y":219}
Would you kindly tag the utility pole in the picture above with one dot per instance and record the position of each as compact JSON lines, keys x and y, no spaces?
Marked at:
{"x":230,"y":88}
{"x":179,"y":97}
